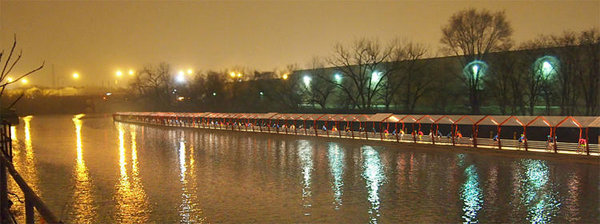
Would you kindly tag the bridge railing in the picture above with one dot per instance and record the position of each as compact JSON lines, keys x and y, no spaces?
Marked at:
{"x":32,"y":200}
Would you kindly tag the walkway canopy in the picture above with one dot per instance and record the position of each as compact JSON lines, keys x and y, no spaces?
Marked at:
{"x":487,"y":120}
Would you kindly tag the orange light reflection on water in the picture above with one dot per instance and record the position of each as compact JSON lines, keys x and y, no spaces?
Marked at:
{"x":29,"y":166}
{"x":24,"y":163}
{"x":132,"y":202}
{"x":84,"y":210}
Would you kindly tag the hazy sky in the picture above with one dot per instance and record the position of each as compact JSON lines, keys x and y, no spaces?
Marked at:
{"x":97,"y":38}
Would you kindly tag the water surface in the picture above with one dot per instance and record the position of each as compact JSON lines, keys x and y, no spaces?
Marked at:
{"x":93,"y":170}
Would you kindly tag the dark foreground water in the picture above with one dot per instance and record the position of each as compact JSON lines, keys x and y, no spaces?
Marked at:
{"x":95,"y":171}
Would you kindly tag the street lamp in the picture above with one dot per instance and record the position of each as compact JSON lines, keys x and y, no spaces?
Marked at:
{"x":131,"y":72}
{"x":24,"y":81}
{"x":9,"y":79}
{"x":475,"y":71}
{"x":119,"y":73}
{"x":285,"y":76}
{"x":307,"y":79}
{"x":180,"y":78}
{"x":547,"y":67}
{"x":338,"y":78}
{"x":375,"y":77}
{"x":75,"y":75}
{"x":189,"y":71}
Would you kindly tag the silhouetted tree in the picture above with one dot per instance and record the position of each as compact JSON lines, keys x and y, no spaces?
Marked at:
{"x":153,"y":85}
{"x":285,"y":91}
{"x":576,"y":80}
{"x":363,"y":70}
{"x":321,"y":88}
{"x":502,"y":76}
{"x":417,"y":80}
{"x":9,"y":65}
{"x":589,"y":41}
{"x":473,"y":34}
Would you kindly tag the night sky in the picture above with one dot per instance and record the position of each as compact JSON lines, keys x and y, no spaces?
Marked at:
{"x":97,"y":38}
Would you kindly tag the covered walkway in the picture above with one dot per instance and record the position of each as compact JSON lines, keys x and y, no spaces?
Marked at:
{"x":552,"y":134}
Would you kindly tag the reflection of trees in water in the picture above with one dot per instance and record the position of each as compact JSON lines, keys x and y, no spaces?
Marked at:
{"x":374,"y":176}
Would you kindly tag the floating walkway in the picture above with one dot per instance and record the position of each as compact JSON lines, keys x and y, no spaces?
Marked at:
{"x":506,"y":132}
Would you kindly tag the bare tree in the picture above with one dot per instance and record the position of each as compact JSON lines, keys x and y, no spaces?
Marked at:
{"x":320,"y":89}
{"x":153,"y":84}
{"x":589,"y":41}
{"x":286,"y":91}
{"x":502,"y":80}
{"x":417,"y":80}
{"x":577,"y":75}
{"x":473,"y":34}
{"x":7,"y":68}
{"x":363,"y":70}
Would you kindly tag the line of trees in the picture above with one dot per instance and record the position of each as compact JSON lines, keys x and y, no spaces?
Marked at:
{"x":482,"y":71}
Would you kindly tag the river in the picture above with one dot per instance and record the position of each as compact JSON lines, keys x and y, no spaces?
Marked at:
{"x":89,"y":169}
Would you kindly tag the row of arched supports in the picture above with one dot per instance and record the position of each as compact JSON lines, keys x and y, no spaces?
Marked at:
{"x":536,"y":133}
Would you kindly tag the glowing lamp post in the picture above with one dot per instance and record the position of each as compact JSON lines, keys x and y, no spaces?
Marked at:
{"x":547,"y":67}
{"x":307,"y":79}
{"x":338,"y":78}
{"x":474,"y":72}
{"x":180,"y":78}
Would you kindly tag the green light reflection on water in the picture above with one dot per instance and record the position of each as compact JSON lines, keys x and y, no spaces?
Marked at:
{"x":336,"y":165}
{"x":537,"y":194}
{"x":374,"y":176}
{"x":471,"y":195}
{"x":305,"y":154}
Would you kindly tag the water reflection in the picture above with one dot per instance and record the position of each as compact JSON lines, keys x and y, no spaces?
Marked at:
{"x":336,"y":166}
{"x":189,"y":208}
{"x":132,"y":203}
{"x":83,"y":210}
{"x":374,"y":176}
{"x":29,"y":166}
{"x":471,"y":195}
{"x":293,"y":178}
{"x":24,"y":163}
{"x":573,"y":196}
{"x":536,"y":192}
{"x":305,"y":154}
